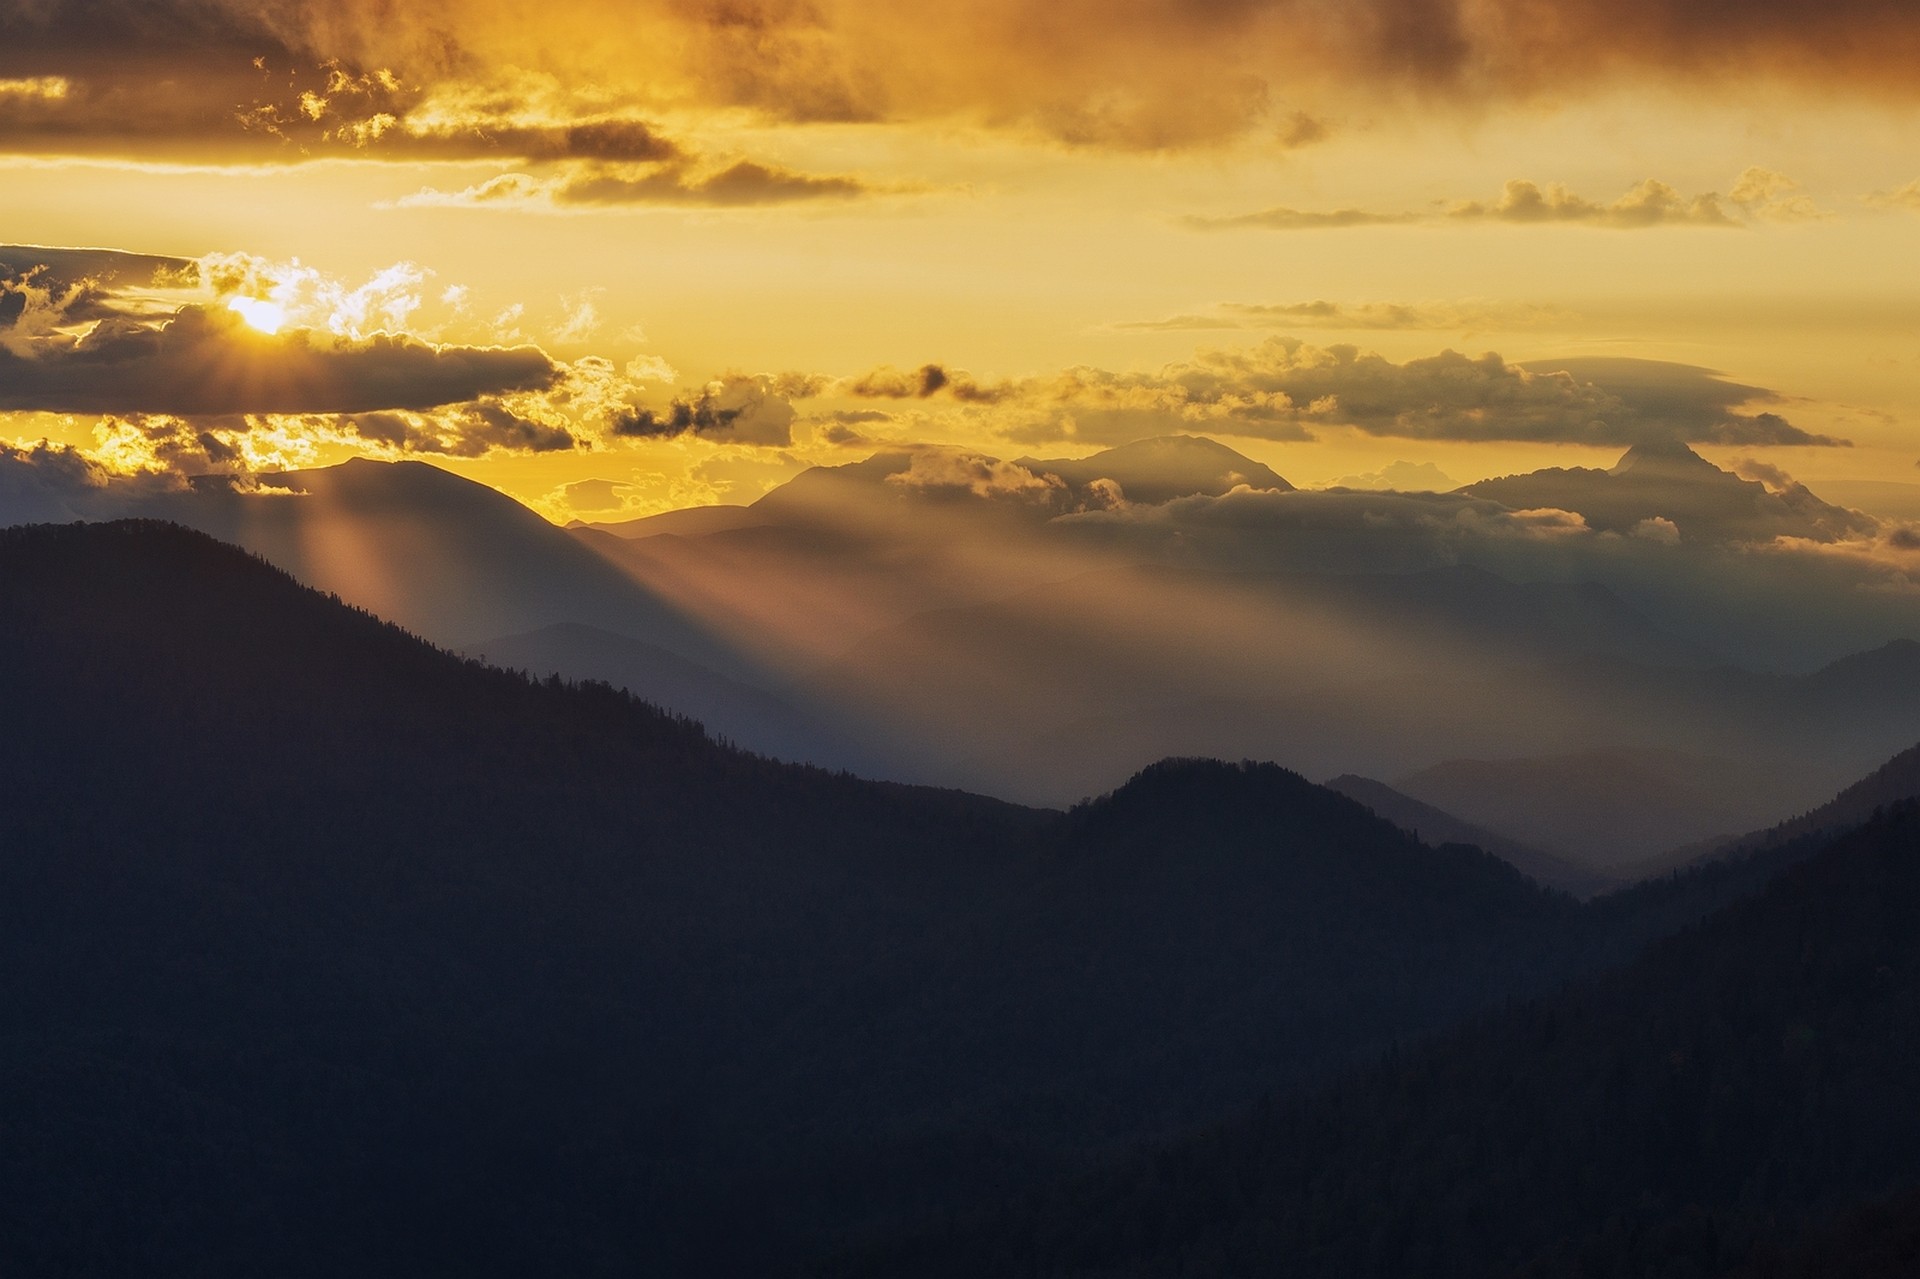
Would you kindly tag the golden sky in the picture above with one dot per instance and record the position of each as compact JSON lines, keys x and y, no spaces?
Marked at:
{"x":618,"y":257}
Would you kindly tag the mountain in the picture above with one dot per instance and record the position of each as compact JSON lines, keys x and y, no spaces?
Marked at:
{"x":1162,"y":469}
{"x":330,"y":952}
{"x":1603,"y":809}
{"x":450,"y":559}
{"x":1179,"y":661}
{"x":1739,"y":1100}
{"x":1655,"y":482}
{"x":748,"y":717}
{"x":904,"y":482}
{"x":690,"y":521}
{"x":1434,"y":826}
{"x":1895,"y":782}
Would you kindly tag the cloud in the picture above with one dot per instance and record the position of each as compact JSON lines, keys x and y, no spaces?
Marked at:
{"x":54,"y":484}
{"x":1155,"y":74}
{"x":93,"y":331}
{"x":744,"y":184}
{"x":204,"y":360}
{"x":1757,"y":195}
{"x":595,"y":495}
{"x":1401,"y":477}
{"x":1651,"y":203}
{"x":1302,"y":129}
{"x":1773,"y":197}
{"x":232,"y":363}
{"x":1669,"y":401}
{"x":1285,"y":389}
{"x":735,"y":409}
{"x":846,"y":428}
{"x":928,"y":380}
{"x":937,"y":469}
{"x":1285,"y":219}
{"x":1904,"y":197}
{"x":1383,"y":316}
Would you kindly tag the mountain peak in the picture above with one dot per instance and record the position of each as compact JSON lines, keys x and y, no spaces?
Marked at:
{"x":1165,"y":467}
{"x":1664,"y":458}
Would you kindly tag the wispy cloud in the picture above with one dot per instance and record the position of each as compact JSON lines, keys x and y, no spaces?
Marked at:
{"x":1469,"y":316}
{"x":1758,"y":195}
{"x":743,"y":184}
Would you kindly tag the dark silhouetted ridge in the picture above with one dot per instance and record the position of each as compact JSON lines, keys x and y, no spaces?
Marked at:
{"x":1696,"y":1113}
{"x":329,"y":952}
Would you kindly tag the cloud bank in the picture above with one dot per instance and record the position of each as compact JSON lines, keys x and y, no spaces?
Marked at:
{"x":80,"y":74}
{"x":1285,"y":389}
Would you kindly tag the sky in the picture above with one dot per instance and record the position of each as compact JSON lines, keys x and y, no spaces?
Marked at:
{"x":618,"y":258}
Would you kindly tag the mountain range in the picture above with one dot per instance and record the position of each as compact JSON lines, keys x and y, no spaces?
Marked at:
{"x":328,"y":946}
{"x":1040,"y":629}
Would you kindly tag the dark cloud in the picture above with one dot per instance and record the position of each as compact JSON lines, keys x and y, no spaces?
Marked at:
{"x":1684,"y":402}
{"x":63,"y":268}
{"x":51,"y":484}
{"x":923,"y":383}
{"x":595,"y":495}
{"x":487,"y":425}
{"x":207,"y":361}
{"x":740,"y":410}
{"x":1284,"y":389}
{"x":843,"y":427}
{"x":1152,"y":74}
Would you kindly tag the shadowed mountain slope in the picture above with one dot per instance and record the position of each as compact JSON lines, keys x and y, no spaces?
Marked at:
{"x":750,"y":718}
{"x":443,"y":556}
{"x":1735,"y":1086}
{"x":330,"y":952}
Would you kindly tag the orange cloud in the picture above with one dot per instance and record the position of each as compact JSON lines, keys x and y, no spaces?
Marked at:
{"x":1150,"y":74}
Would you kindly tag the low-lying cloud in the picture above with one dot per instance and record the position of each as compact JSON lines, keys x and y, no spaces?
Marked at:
{"x":1285,"y":389}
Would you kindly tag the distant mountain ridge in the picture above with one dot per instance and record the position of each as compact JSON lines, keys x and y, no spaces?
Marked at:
{"x":1164,"y":468}
{"x":446,"y":557}
{"x":1432,"y":825}
{"x":1670,"y":483}
{"x":1606,"y":809}
{"x":1152,"y":471}
{"x":1893,"y":783}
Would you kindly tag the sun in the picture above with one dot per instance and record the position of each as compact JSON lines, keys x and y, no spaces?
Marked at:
{"x":267,"y":317}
